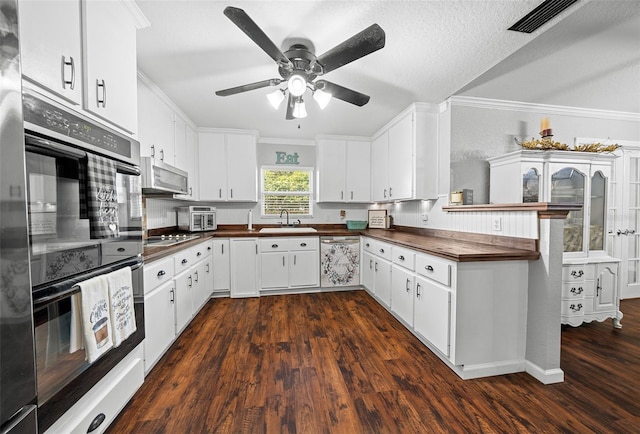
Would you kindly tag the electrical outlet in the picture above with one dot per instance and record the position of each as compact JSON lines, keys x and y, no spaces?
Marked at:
{"x":497,"y":224}
{"x":425,"y":218}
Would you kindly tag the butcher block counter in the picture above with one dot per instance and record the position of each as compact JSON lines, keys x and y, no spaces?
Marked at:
{"x":455,"y":246}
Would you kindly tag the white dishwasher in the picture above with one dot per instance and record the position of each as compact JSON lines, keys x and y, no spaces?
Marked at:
{"x":339,"y":261}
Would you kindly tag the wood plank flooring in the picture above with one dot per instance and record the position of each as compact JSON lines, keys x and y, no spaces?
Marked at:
{"x":340,"y":363}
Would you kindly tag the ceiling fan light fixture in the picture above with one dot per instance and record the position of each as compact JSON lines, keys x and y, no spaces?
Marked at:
{"x":275,"y":98}
{"x":322,"y":98}
{"x":297,"y":85}
{"x":299,"y":109}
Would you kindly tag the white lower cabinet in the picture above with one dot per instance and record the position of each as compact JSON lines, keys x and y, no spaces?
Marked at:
{"x":289,"y":262}
{"x":221,"y":265}
{"x":108,"y":397}
{"x":244,"y":267}
{"x":175,"y":289}
{"x":472,"y":315}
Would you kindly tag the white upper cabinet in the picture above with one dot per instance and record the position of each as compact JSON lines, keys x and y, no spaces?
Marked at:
{"x":186,"y":155}
{"x":156,"y":124}
{"x":228,"y":167}
{"x":54,"y":61}
{"x":344,"y":170}
{"x":85,"y":53}
{"x":408,"y":167}
{"x":110,"y":63}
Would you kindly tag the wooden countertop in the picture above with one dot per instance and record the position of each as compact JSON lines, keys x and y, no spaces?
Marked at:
{"x":455,"y":246}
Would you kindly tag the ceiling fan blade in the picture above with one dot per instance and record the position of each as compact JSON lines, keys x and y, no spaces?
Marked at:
{"x":342,"y":93}
{"x":366,"y":42}
{"x":290,"y":103}
{"x":251,"y":29}
{"x":251,"y":86}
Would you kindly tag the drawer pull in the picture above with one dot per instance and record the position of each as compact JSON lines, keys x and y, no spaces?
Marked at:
{"x":184,"y":262}
{"x":96,"y":422}
{"x":578,"y":273}
{"x":209,"y":248}
{"x":199,"y":254}
{"x":401,"y":258}
{"x":576,"y":308}
{"x":121,"y":249}
{"x":274,"y":246}
{"x":366,"y":245}
{"x":303,"y":244}
{"x":577,"y":290}
{"x":428,"y":268}
{"x":161,"y":273}
{"x":381,"y":250}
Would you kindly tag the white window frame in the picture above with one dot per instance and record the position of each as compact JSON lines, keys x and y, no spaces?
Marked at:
{"x":284,"y":168}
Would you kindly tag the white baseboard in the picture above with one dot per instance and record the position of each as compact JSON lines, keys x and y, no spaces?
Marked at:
{"x":545,"y":376}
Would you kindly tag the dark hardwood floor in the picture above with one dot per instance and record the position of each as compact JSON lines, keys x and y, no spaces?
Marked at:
{"x":340,"y":363}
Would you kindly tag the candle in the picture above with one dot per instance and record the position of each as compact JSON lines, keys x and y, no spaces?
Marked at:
{"x":544,"y":124}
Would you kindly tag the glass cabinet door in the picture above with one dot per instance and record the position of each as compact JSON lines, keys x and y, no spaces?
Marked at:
{"x":597,"y":211}
{"x":531,"y":186}
{"x":567,"y":186}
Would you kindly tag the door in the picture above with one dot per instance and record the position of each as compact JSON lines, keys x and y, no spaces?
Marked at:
{"x":382,"y":272}
{"x":212,"y":164}
{"x":244,"y":267}
{"x":331,"y":170}
{"x":402,"y":294}
{"x":433,"y":313}
{"x":54,"y":61}
{"x":199,"y":290}
{"x":303,"y":268}
{"x":627,"y":232}
{"x":401,"y":159}
{"x":242,"y":180}
{"x":380,"y":168}
{"x":606,"y":288}
{"x":275,"y":270}
{"x":183,"y":299}
{"x":221,"y":281}
{"x":110,"y":63}
{"x":368,"y":261}
{"x":159,"y":333}
{"x":358,"y":172}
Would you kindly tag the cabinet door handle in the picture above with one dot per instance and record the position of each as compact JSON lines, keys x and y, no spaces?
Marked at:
{"x":598,"y":287}
{"x":401,"y":258}
{"x":197,"y":277}
{"x":408,"y":285}
{"x":385,"y":193}
{"x":428,"y":268}
{"x":161,"y":273}
{"x":222,"y":249}
{"x":190,"y":281}
{"x":220,"y":193}
{"x":173,"y":295}
{"x":190,"y":191}
{"x":153,"y":151}
{"x":294,"y":259}
{"x":390,"y":192}
{"x":161,"y":154}
{"x":100,"y":84}
{"x":370,"y":264}
{"x":208,"y":268}
{"x":578,"y":273}
{"x":342,"y":195}
{"x":376,"y":267}
{"x":418,"y":290}
{"x":70,"y":63}
{"x":283,"y":261}
{"x":303,"y":244}
{"x":231,"y":191}
{"x":184,"y":262}
{"x":351,"y":194}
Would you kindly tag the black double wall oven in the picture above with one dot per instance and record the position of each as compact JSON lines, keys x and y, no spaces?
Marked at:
{"x":69,"y":243}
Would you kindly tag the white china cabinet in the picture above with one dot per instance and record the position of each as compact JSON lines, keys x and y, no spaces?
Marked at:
{"x":590,"y":284}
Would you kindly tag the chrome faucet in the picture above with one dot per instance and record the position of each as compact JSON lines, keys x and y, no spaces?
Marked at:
{"x":283,"y":211}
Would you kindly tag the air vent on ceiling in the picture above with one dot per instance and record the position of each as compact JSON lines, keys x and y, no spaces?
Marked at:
{"x":541,"y":15}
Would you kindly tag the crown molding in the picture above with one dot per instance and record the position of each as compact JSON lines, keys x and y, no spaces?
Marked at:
{"x":138,"y":17}
{"x":165,"y":99}
{"x":497,"y":104}
{"x":227,"y":131}
{"x":290,"y":142}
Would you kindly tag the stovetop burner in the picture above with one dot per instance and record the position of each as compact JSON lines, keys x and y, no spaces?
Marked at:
{"x":169,"y":240}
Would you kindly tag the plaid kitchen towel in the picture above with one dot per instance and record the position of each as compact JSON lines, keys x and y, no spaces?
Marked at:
{"x":102,"y":197}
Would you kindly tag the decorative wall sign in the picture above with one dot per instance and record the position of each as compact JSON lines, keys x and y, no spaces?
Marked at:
{"x":284,"y":158}
{"x":377,"y":218}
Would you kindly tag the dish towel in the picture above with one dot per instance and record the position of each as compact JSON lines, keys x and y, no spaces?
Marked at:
{"x":123,"y":318}
{"x":75,"y":336}
{"x":96,"y":317}
{"x":101,"y":197}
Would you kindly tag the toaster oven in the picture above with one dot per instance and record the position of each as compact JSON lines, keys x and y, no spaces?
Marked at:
{"x":196,"y":218}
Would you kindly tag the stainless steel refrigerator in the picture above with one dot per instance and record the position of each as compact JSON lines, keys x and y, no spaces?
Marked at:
{"x":17,"y":359}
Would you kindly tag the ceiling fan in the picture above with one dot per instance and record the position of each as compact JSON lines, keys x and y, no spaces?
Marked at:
{"x":299,"y":67}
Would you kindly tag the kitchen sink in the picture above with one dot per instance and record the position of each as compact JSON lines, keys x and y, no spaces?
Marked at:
{"x":286,"y":229}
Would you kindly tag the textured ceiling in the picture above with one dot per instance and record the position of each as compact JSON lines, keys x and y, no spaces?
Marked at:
{"x":433,"y":50}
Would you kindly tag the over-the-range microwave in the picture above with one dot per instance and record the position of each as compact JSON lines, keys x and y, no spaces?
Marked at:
{"x":159,"y":177}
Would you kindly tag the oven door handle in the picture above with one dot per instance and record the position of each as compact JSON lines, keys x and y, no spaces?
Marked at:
{"x":54,"y":149}
{"x":71,"y":284}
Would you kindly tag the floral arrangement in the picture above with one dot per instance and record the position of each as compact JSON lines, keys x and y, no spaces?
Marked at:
{"x":547,"y":143}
